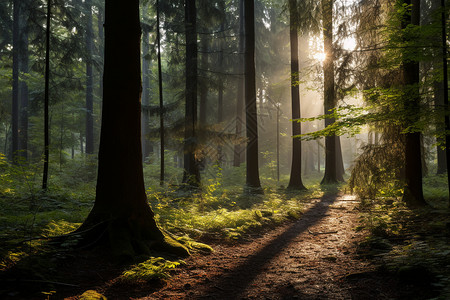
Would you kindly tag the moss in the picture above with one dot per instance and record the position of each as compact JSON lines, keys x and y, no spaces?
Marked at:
{"x":92,"y":295}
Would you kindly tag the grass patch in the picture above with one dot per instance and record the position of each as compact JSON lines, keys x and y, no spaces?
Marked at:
{"x":153,"y":268}
{"x":413,"y":245}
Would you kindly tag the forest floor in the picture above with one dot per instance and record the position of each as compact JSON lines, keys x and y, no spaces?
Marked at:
{"x":314,"y":257}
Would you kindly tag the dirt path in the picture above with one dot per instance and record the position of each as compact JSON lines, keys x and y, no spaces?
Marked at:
{"x":313,"y":258}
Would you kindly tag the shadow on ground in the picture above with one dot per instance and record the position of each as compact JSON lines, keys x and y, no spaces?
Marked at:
{"x":235,"y":282}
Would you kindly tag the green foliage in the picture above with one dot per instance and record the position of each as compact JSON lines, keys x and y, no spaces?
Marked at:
{"x":412,"y":245}
{"x":153,"y":268}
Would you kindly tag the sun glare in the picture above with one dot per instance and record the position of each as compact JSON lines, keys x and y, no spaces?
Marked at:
{"x":320,"y":56}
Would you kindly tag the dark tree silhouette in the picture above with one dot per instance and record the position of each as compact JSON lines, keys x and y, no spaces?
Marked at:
{"x":121,"y":218}
{"x":413,"y":191}
{"x":89,"y":80}
{"x":331,"y":168}
{"x":191,"y":175}
{"x":252,"y":179}
{"x":295,"y":181}
{"x":445,"y":71}
{"x":23,"y":86}
{"x":161,"y":101}
{"x":46,"y":98}
{"x":237,"y":159}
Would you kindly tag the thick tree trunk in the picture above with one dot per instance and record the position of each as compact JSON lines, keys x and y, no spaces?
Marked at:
{"x":331,"y":172}
{"x":413,"y":192}
{"x":89,"y":80}
{"x":295,"y":181}
{"x":191,"y":175}
{"x":238,"y":148}
{"x":253,"y":184}
{"x":121,"y":217}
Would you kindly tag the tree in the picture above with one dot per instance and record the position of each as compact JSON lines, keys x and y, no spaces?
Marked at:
{"x":331,"y":172}
{"x":253,"y":184}
{"x":89,"y":80}
{"x":445,"y":80}
{"x":295,"y":181}
{"x":240,"y":87}
{"x":121,"y":217}
{"x":15,"y":88}
{"x":413,"y":192}
{"x":46,"y":98}
{"x":23,"y":86}
{"x":191,"y":175}
{"x":161,"y":100}
{"x":146,"y":147}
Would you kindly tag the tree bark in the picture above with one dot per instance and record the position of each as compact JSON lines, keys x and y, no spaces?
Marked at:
{"x":121,"y":218}
{"x":295,"y":181}
{"x":161,"y":102}
{"x":46,"y":98}
{"x":23,"y":86}
{"x":445,"y":71}
{"x":253,"y":184}
{"x":413,"y":192}
{"x":331,"y":172}
{"x":191,"y":175}
{"x":146,"y":147}
{"x":89,"y":80}
{"x":238,"y":148}
{"x":15,"y":83}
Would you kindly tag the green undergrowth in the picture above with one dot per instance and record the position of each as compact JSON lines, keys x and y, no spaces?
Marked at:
{"x":153,"y":268}
{"x":219,"y":210}
{"x":412,"y":245}
{"x":225,"y":212}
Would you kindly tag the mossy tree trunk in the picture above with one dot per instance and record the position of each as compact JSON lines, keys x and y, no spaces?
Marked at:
{"x":121,"y":218}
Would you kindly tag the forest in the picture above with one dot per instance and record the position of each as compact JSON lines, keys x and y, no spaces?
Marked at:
{"x":224,"y":149}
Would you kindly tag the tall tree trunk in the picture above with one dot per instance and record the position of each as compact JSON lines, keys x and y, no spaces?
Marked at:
{"x":89,"y":80}
{"x":238,"y":148}
{"x":253,"y":184}
{"x":340,"y":169}
{"x":121,"y":209}
{"x":203,"y":86}
{"x":146,"y":147}
{"x":413,"y":192}
{"x":438,"y":92}
{"x":46,"y":98}
{"x":295,"y":181}
{"x":191,"y":175}
{"x":445,"y":71}
{"x":23,"y":86}
{"x":100,"y":47}
{"x":161,"y":101}
{"x":331,"y":174}
{"x":220,"y":88}
{"x":15,"y":83}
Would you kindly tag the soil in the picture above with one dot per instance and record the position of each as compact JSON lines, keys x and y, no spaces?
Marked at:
{"x":314,"y":257}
